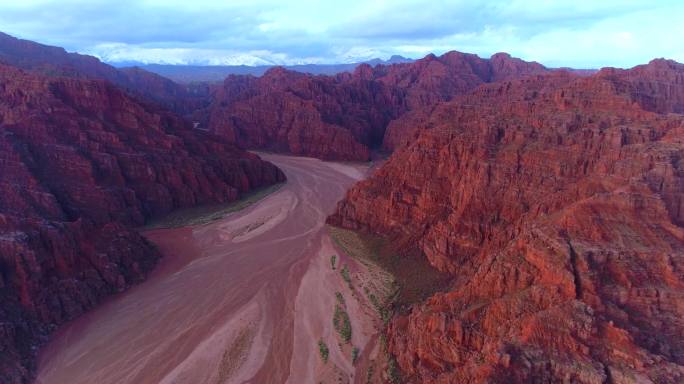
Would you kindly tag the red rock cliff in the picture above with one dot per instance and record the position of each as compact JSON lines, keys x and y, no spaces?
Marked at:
{"x":432,"y":80}
{"x":342,"y":117}
{"x":80,"y":164}
{"x":556,"y":203}
{"x":321,"y":116}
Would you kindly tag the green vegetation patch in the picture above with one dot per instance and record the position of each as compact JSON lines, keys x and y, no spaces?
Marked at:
{"x":339,"y":298}
{"x":355,"y":354}
{"x":345,"y":275}
{"x":398,"y":276}
{"x":370,"y":372}
{"x":342,"y":324}
{"x":206,"y":214}
{"x":411,"y":277}
{"x":393,"y":371}
{"x":323,"y":351}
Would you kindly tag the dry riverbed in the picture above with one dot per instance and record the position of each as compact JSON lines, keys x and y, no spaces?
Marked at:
{"x":245,"y":297}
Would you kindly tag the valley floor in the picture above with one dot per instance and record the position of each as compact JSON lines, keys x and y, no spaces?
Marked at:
{"x":246,"y":298}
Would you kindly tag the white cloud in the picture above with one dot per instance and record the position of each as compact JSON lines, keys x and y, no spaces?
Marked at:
{"x":118,"y":52}
{"x":579,"y":33}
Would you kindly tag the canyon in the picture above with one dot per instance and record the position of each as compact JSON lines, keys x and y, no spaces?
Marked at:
{"x":82,"y":165}
{"x":551,"y":200}
{"x":241,"y":286}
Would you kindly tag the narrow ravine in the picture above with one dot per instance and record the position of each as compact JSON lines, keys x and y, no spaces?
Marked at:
{"x":243,"y":299}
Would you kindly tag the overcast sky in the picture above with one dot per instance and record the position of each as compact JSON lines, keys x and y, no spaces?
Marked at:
{"x":578,"y":33}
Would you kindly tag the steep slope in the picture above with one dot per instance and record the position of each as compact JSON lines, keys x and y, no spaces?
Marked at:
{"x":55,"y":61}
{"x":82,"y":163}
{"x":439,"y":78}
{"x":344,"y":116}
{"x":657,"y":86}
{"x":556,"y":203}
{"x":433,"y":79}
{"x":328,"y":117}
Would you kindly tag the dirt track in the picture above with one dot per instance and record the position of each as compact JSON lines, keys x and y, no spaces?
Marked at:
{"x":244,"y":299}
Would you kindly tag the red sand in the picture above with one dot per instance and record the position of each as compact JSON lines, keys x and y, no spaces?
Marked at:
{"x":226,"y":302}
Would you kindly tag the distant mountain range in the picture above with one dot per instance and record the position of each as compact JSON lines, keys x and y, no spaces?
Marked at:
{"x":56,"y":61}
{"x":199,"y":73}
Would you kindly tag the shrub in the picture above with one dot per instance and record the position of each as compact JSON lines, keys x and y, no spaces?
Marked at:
{"x":374,"y":300}
{"x":333,"y":261}
{"x":383,"y":343}
{"x":340,"y":298}
{"x":355,"y":354}
{"x":323,"y":350}
{"x":345,"y":275}
{"x":342,"y":324}
{"x":369,"y":373}
{"x":393,"y":371}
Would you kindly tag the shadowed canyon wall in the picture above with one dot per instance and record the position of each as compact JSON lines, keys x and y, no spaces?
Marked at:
{"x":81,"y":164}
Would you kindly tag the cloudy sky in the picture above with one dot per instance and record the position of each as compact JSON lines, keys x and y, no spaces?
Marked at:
{"x":578,"y":33}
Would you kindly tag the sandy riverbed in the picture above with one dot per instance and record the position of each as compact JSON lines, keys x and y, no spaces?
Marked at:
{"x":244,"y":299}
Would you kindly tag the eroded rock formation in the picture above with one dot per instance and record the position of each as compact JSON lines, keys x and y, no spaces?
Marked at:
{"x":327,"y":117}
{"x":82,"y":163}
{"x":343,"y":117}
{"x":555,"y":201}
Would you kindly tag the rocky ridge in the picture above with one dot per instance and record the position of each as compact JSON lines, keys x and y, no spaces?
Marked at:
{"x":555,"y":201}
{"x":342,"y":117}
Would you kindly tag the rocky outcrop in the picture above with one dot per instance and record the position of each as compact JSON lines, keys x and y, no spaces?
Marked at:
{"x":657,"y":86}
{"x":55,"y":61}
{"x":555,"y":201}
{"x":433,"y":80}
{"x":343,"y":117}
{"x":82,"y":163}
{"x":335,"y":118}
